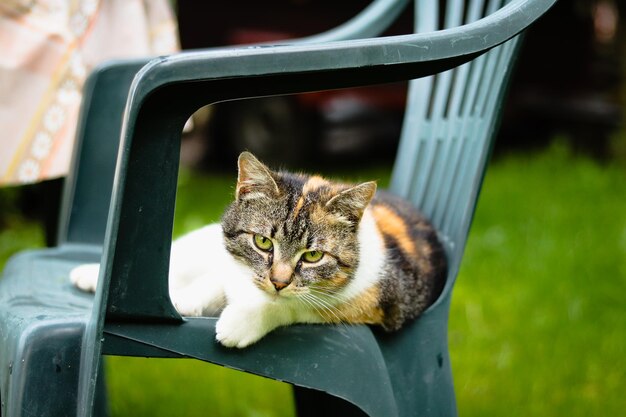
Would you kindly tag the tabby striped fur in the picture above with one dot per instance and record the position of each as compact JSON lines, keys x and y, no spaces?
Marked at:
{"x":382,"y":262}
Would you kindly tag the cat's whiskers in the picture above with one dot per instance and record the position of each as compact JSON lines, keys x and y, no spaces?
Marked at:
{"x":308,"y":303}
{"x":335,"y":312}
{"x":328,"y":292}
{"x":340,"y":299}
{"x":322,"y":310}
{"x":323,"y":314}
{"x":328,"y":304}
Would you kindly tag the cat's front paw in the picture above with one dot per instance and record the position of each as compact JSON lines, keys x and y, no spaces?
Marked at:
{"x":240,"y":326}
{"x":85,"y":277}
{"x":187,"y":304}
{"x":202,"y":297}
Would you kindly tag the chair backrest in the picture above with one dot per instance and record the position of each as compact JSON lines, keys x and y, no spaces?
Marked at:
{"x":88,"y":187}
{"x":449,"y":127}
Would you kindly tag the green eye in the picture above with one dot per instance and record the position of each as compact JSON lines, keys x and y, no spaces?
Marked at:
{"x":263,"y":243}
{"x":312,"y":256}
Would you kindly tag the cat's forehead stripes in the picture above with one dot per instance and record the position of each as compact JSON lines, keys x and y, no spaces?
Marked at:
{"x":309,"y":186}
{"x":315,"y":182}
{"x":298,"y":207}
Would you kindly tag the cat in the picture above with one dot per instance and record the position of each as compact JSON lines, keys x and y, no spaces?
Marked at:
{"x":293,"y":248}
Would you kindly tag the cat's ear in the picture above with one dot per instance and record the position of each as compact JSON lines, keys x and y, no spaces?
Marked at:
{"x":254,"y":179}
{"x":350,"y":204}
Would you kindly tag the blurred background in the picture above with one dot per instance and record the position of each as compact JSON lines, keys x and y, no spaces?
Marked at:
{"x":537,"y":320}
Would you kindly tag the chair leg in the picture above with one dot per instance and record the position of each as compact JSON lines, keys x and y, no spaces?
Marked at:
{"x":43,"y":370}
{"x":101,"y":406}
{"x":313,"y":403}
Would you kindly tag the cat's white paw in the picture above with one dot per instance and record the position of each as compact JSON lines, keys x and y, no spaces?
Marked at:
{"x":85,"y":277}
{"x":204,"y":296}
{"x":187,"y":304}
{"x":239,"y":326}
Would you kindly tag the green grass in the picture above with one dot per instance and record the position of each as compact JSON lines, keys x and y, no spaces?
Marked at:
{"x":177,"y":387}
{"x":16,"y":232}
{"x":537,"y":320}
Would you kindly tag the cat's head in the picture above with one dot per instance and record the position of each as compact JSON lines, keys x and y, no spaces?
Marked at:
{"x":298,"y":234}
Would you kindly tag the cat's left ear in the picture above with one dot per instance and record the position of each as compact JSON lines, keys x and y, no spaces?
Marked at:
{"x":254,"y":179}
{"x":350,"y":204}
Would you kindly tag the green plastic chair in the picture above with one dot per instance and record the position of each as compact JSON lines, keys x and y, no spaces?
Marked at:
{"x":52,"y":336}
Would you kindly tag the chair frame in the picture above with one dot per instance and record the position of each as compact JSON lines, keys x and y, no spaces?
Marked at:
{"x":132,"y":313}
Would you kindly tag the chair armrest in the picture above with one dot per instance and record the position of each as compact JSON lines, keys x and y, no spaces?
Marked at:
{"x":88,"y":187}
{"x":169,"y":89}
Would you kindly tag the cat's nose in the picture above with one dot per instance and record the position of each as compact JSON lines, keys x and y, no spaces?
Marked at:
{"x":281,"y":275}
{"x":278,"y":284}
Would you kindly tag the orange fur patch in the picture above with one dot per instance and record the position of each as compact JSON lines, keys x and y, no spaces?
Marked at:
{"x":338,"y":280}
{"x":313,"y":184}
{"x":363,"y":308}
{"x":298,"y":207}
{"x":319,"y":215}
{"x":392,"y":224}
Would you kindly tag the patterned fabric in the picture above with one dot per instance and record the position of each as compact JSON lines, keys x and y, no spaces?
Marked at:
{"x":47,"y":48}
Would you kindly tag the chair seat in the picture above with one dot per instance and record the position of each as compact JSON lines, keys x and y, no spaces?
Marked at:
{"x":42,"y":321}
{"x":303,"y":355}
{"x":39,"y":303}
{"x":36,"y":285}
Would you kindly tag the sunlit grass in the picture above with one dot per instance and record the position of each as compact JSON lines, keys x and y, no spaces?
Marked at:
{"x":179,"y":387}
{"x":537,"y":321}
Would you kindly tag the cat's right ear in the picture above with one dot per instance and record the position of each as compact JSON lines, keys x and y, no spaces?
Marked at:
{"x":350,"y":204}
{"x":254,"y":179}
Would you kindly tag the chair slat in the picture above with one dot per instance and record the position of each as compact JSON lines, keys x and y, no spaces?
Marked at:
{"x":474,"y":10}
{"x":454,"y":13}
